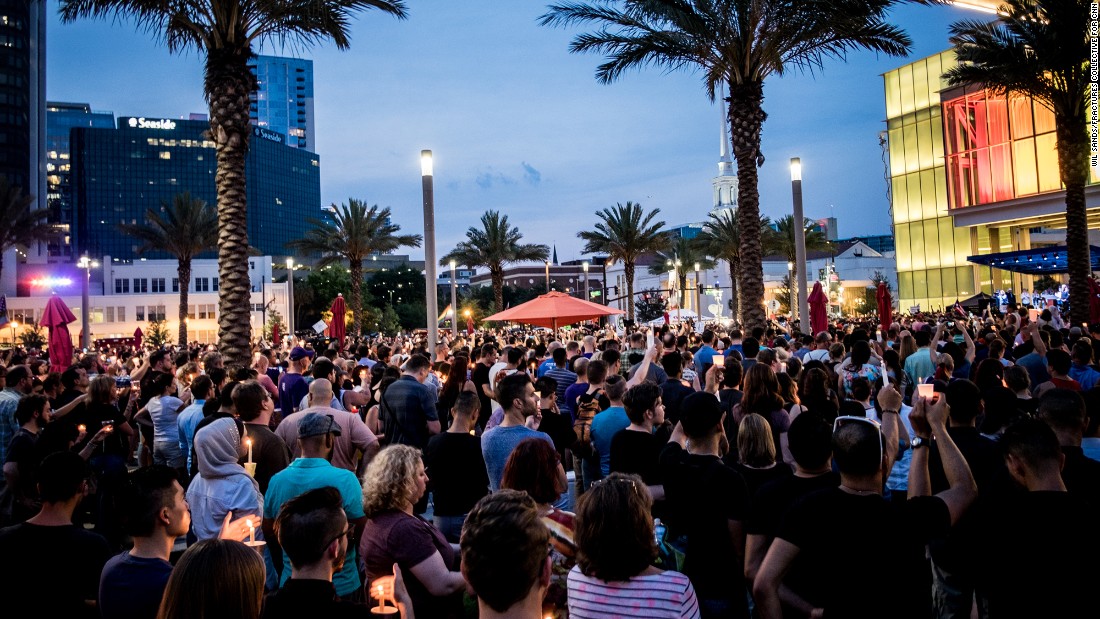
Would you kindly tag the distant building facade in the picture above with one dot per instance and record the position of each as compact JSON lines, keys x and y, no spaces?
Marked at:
{"x":119,"y":173}
{"x":283,"y":100}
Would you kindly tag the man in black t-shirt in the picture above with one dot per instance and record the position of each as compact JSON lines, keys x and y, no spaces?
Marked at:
{"x":1041,"y":561}
{"x":706,"y":503}
{"x":557,"y":425}
{"x":480,"y":377}
{"x":637,"y":450}
{"x":673,"y":391}
{"x":810,"y":440}
{"x":50,"y":567}
{"x":456,"y":468}
{"x":847,"y":536}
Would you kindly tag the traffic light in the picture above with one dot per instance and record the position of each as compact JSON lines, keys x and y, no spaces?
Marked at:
{"x":729,"y":304}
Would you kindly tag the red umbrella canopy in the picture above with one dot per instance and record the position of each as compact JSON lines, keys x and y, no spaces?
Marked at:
{"x":554,"y":309}
{"x":819,"y":315}
{"x":137,"y":337}
{"x":885,"y":306}
{"x":56,"y":316}
{"x":338,"y":327}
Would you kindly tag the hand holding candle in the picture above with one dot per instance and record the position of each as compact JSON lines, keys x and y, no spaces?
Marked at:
{"x":719,"y":360}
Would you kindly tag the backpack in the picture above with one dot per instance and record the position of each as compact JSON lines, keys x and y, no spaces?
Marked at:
{"x":588,"y":406}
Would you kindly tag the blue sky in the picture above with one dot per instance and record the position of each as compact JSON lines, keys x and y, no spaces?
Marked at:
{"x":519,"y":125}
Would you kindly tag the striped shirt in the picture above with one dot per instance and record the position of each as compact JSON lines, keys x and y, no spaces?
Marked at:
{"x":664,"y":595}
{"x":564,"y":378}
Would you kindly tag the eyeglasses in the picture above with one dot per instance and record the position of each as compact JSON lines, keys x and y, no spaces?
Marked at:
{"x":844,"y":419}
{"x":346,"y":533}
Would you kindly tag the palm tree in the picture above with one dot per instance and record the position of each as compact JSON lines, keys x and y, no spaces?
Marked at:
{"x":721,"y":238}
{"x":492,"y":246}
{"x":225,"y":31}
{"x":21,"y":224}
{"x":624,"y":235}
{"x":781,"y":239}
{"x":354,"y":234}
{"x":1040,"y":49}
{"x":185,"y":228}
{"x":737,"y":44}
{"x":682,"y":255}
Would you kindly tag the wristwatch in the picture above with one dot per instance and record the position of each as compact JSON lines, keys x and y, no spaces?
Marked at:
{"x":918,"y":442}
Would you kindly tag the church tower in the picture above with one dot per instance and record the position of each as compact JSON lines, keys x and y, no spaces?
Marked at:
{"x":725,"y":184}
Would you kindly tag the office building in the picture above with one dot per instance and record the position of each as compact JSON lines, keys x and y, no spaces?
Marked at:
{"x":972,"y":173}
{"x":23,"y":94}
{"x":119,"y":173}
{"x":61,"y":118}
{"x":283,"y":101}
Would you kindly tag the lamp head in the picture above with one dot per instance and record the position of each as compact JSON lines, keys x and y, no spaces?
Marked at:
{"x":426,"y":163}
{"x":696,"y":266}
{"x":796,"y":169}
{"x":584,"y":265}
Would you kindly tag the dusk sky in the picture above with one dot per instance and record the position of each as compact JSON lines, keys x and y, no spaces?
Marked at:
{"x":520,"y":125}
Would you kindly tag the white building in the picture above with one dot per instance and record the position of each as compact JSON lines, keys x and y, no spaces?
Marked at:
{"x":126,"y":296}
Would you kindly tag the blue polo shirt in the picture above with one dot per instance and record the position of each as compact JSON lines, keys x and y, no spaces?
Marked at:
{"x":303,"y":475}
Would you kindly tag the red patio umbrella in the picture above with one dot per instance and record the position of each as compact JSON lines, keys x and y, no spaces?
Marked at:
{"x":338,"y":327}
{"x":554,"y":309}
{"x":56,"y":316}
{"x":885,"y":306}
{"x":137,"y":338}
{"x":819,"y":314}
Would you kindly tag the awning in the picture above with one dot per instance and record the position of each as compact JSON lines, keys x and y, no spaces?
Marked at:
{"x":1038,"y":261}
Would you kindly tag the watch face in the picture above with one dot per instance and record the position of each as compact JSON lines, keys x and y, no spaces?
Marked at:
{"x":916,"y":442}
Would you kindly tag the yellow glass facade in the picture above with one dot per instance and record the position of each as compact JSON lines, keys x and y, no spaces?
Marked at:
{"x":931,"y":251}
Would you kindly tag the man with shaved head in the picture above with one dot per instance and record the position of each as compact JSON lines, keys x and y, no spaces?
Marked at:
{"x":355,"y":445}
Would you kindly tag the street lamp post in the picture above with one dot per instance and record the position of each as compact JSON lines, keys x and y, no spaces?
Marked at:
{"x":698,"y":309}
{"x":290,"y":295}
{"x":454,"y":302}
{"x":14,"y":326}
{"x":587,"y":296}
{"x":547,"y":276}
{"x":790,"y":288}
{"x":680,"y":291}
{"x":799,"y":243}
{"x":427,"y":179}
{"x":85,"y":324}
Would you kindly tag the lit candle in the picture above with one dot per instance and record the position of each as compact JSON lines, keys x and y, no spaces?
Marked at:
{"x":381,"y":599}
{"x":248,"y":441}
{"x":251,"y":531}
{"x":926,"y":391}
{"x":719,"y":360}
{"x":82,"y":428}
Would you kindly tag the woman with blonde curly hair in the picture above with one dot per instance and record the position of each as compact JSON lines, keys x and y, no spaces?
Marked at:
{"x":394,"y":482}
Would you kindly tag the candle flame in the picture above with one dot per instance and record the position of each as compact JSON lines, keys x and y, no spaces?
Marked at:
{"x":249,"y":523}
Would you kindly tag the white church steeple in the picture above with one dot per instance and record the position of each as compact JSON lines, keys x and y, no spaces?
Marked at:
{"x":725,"y":184}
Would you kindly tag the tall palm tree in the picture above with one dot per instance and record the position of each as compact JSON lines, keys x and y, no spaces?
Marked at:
{"x":354,"y":234}
{"x":1040,"y":48}
{"x":624,"y":233}
{"x":736,"y":44}
{"x":721,"y":239}
{"x":492,"y":246}
{"x":21,"y":224}
{"x":781,"y":239}
{"x":185,"y":228}
{"x":682,"y":255}
{"x":226,"y":31}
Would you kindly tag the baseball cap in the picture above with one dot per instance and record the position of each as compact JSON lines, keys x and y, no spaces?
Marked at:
{"x":300,"y":353}
{"x":316,"y":424}
{"x":700,"y":412}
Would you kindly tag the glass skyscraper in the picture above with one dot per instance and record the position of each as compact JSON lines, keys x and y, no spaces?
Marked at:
{"x":61,"y":118}
{"x":283,"y":101}
{"x":22,"y":94}
{"x":118,"y":173}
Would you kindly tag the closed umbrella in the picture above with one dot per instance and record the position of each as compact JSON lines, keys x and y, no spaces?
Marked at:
{"x":469,"y":325}
{"x":338,"y":327}
{"x":137,"y":338}
{"x":885,"y":306}
{"x":819,"y":314}
{"x":56,"y":316}
{"x":275,"y":333}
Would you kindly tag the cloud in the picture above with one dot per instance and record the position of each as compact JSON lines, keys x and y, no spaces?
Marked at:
{"x":486,"y":180}
{"x":530,"y":174}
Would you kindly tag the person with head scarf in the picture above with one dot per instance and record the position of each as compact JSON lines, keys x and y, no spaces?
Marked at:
{"x":222,"y":487}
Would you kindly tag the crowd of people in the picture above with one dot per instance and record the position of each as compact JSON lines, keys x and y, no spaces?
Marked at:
{"x":943,"y":466}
